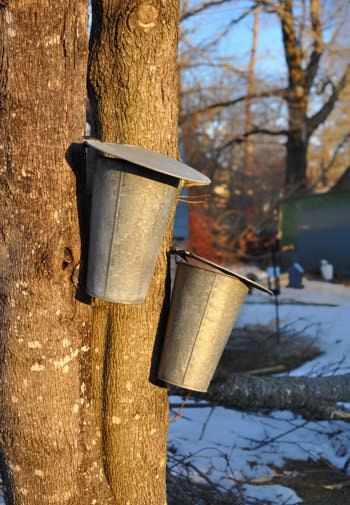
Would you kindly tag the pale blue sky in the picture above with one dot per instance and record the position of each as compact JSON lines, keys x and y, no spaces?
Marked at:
{"x":270,"y":58}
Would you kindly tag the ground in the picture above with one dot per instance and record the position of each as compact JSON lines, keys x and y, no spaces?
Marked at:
{"x":277,"y":458}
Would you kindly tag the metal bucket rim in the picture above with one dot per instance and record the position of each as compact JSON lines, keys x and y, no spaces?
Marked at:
{"x":115,"y":299}
{"x":182,"y":385}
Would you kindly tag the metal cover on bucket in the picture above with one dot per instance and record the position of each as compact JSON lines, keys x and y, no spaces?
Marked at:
{"x":151,"y":160}
{"x":248,"y":282}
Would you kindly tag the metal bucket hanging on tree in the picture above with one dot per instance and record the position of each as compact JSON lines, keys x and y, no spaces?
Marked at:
{"x":205,"y":303}
{"x":133,"y":192}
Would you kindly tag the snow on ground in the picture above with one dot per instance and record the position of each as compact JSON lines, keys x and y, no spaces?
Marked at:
{"x":241,"y":451}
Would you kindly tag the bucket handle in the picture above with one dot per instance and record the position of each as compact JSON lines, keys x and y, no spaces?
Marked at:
{"x":184,"y":254}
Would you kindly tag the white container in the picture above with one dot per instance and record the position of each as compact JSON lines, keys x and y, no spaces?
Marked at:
{"x":327,"y":270}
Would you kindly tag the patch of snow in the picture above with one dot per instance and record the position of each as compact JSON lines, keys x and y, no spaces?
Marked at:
{"x":270,"y":495}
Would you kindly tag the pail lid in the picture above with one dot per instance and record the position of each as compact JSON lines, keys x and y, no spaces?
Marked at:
{"x":152,"y":160}
{"x":251,"y":284}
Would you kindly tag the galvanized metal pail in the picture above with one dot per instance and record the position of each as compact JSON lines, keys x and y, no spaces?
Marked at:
{"x":204,"y":306}
{"x":131,"y":206}
{"x":129,"y":216}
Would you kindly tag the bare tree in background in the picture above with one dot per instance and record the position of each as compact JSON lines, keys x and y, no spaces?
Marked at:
{"x":305,"y":48}
{"x":248,"y":146}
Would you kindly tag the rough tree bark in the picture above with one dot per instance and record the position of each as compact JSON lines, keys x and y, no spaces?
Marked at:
{"x":316,"y":397}
{"x":297,"y":101}
{"x":133,"y":96}
{"x":45,"y":418}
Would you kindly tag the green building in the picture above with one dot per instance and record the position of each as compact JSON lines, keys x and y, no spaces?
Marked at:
{"x":318,"y":226}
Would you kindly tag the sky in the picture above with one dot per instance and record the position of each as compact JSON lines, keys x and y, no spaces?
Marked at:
{"x":237,"y":44}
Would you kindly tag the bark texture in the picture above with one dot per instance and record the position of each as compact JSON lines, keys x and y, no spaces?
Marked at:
{"x":133,"y":97}
{"x":298,"y":136}
{"x":315,"y":396}
{"x":44,"y":349}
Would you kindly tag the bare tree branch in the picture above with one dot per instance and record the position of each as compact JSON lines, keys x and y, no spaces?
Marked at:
{"x":317,"y":45}
{"x":319,"y":117}
{"x":203,"y":7}
{"x":228,"y":27}
{"x":317,"y":396}
{"x":328,"y":167}
{"x":292,"y":49}
{"x":256,"y":131}
{"x":251,"y":84}
{"x":271,"y":7}
{"x":220,"y":65}
{"x":340,"y":14}
{"x":216,"y":107}
{"x":206,"y":46}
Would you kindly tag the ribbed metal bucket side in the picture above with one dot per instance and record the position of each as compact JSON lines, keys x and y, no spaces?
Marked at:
{"x":204,"y":307}
{"x":189,"y":298}
{"x":130,"y":213}
{"x":105,"y":191}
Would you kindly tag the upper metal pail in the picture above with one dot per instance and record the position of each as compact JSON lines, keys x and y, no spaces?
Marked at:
{"x":130,"y":211}
{"x":204,"y":306}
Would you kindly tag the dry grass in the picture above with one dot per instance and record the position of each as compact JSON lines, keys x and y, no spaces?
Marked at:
{"x":183,"y":491}
{"x":255,"y":348}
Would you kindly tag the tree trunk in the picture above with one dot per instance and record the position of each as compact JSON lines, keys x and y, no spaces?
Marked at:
{"x":133,"y":93}
{"x":44,"y":331}
{"x":297,"y":100}
{"x":248,"y":146}
{"x":297,"y":147}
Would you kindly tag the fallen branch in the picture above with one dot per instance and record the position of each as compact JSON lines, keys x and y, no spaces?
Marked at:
{"x":317,"y":397}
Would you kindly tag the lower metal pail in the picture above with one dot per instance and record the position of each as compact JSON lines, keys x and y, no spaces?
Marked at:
{"x":130,"y":211}
{"x":204,"y":306}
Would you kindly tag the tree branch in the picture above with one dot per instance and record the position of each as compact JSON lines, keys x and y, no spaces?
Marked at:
{"x":319,"y":117}
{"x":215,"y":107}
{"x":317,"y":46}
{"x":203,"y":7}
{"x":227,"y":29}
{"x":317,"y":396}
{"x":255,"y":131}
{"x":328,"y":167}
{"x":292,"y":49}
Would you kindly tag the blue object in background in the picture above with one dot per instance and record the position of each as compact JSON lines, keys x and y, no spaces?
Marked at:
{"x":295,"y":274}
{"x":181,"y":228}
